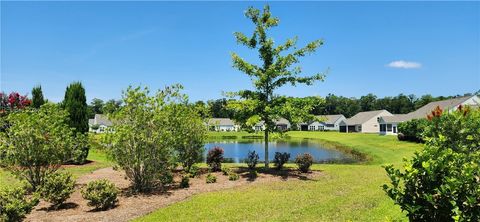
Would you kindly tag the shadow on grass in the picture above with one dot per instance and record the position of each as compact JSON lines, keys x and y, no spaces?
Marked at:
{"x":285,"y":173}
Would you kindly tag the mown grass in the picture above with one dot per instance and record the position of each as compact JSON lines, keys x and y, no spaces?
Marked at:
{"x":343,"y":193}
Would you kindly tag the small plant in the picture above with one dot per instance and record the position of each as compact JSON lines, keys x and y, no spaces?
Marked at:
{"x":194,"y":171}
{"x":304,"y":161}
{"x":14,"y":205}
{"x":253,"y":174}
{"x":101,"y":194}
{"x":233,"y":176}
{"x":57,"y":188}
{"x":252,"y":159}
{"x":185,"y":181}
{"x":280,"y":159}
{"x":211,"y":178}
{"x":225,"y":170}
{"x":215,"y":158}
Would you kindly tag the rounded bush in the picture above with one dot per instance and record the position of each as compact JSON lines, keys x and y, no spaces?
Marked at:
{"x":101,"y":194}
{"x":215,"y":158}
{"x":185,"y":182}
{"x":252,"y":159}
{"x":233,"y":176}
{"x":304,"y":161}
{"x":14,"y":205}
{"x":280,"y":159}
{"x":57,"y":188}
{"x":211,"y":178}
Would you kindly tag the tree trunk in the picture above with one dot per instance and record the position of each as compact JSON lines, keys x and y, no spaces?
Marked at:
{"x":266,"y":148}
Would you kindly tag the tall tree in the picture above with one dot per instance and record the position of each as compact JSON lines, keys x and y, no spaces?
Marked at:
{"x":75,"y":103}
{"x":276,"y":70}
{"x":111,"y":106}
{"x":37,"y":97}
{"x":97,"y":106}
{"x":368,"y":102}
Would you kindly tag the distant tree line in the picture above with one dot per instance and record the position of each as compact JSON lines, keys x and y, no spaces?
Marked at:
{"x":334,"y":104}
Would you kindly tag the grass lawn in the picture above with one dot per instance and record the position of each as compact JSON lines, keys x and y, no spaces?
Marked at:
{"x":345,"y":192}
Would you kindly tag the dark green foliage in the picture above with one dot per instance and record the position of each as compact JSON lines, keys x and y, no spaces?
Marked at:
{"x":215,"y":158}
{"x":75,"y":103}
{"x":252,"y":159}
{"x":194,"y":171}
{"x":280,"y":159}
{"x":304,"y":161}
{"x":111,"y":106}
{"x":101,"y":194}
{"x":412,"y":130}
{"x":37,"y":97}
{"x":233,"y":176}
{"x":57,"y":188}
{"x":211,"y":178}
{"x":97,"y":106}
{"x":225,"y":170}
{"x":185,"y":181}
{"x":14,"y":204}
{"x":441,"y":182}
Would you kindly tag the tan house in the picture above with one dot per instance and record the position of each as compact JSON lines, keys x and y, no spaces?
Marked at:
{"x":222,"y":124}
{"x":363,"y":122}
{"x":389,"y":124}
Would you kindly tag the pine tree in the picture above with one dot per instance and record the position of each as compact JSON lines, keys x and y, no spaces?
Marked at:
{"x":37,"y":97}
{"x":75,"y":103}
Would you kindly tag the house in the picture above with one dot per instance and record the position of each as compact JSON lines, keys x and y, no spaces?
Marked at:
{"x":222,"y":124}
{"x":329,"y":122}
{"x":389,"y":124}
{"x":281,"y":124}
{"x":99,"y":124}
{"x":363,"y":122}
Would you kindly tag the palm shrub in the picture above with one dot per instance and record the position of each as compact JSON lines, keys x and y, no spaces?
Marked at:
{"x":101,"y":194}
{"x":304,"y":161}
{"x":57,"y":188}
{"x":215,"y":158}
{"x":252,"y":159}
{"x":280,"y":159}
{"x":441,"y":182}
{"x":36,"y":143}
{"x":14,"y":204}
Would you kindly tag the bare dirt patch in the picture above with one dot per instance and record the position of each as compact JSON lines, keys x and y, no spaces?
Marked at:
{"x":132,"y":206}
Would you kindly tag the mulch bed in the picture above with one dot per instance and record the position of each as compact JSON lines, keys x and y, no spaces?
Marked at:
{"x":132,"y":206}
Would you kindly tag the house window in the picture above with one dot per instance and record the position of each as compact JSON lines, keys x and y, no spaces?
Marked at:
{"x":311,"y":128}
{"x":389,"y":127}
{"x":330,"y":125}
{"x":321,"y":128}
{"x":383,"y":127}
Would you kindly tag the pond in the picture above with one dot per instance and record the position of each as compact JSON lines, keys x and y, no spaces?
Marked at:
{"x":236,"y":151}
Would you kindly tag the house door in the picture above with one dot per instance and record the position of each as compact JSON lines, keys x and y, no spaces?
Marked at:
{"x":394,"y":129}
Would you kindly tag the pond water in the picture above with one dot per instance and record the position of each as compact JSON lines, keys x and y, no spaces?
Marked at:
{"x":236,"y":151}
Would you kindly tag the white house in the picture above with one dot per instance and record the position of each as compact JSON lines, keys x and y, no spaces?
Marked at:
{"x":328,"y":122}
{"x":222,"y":124}
{"x":99,"y":124}
{"x":363,"y":122}
{"x":281,"y":124}
{"x":389,"y":124}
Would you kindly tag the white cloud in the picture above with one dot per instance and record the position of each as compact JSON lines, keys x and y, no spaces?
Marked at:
{"x":401,"y":64}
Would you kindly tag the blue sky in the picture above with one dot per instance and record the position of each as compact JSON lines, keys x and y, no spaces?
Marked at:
{"x":370,"y":47}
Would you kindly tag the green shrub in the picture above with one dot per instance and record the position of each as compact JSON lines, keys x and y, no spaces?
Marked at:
{"x":280,"y":159}
{"x":194,"y":171}
{"x":57,"y":188}
{"x":14,"y":205}
{"x":225,"y":170}
{"x":304,"y":161}
{"x":185,"y":181}
{"x":233,"y":176}
{"x":101,"y":194}
{"x":253,"y":174}
{"x":252,"y":159}
{"x":441,"y":182}
{"x":412,"y":130}
{"x":215,"y":158}
{"x":211,"y":178}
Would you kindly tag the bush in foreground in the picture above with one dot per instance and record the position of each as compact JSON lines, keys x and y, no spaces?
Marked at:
{"x":412,"y":130}
{"x":57,"y":188}
{"x":185,"y":183}
{"x":441,"y":182}
{"x":215,"y":158}
{"x":280,"y":159}
{"x":304,"y":161}
{"x":252,"y":159}
{"x":211,"y":178}
{"x":14,"y":204}
{"x":101,"y":194}
{"x":233,"y":176}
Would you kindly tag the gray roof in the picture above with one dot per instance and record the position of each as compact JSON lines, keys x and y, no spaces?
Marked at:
{"x":330,"y":119}
{"x":277,"y":122}
{"x":100,"y":119}
{"x":423,"y":111}
{"x":221,"y":122}
{"x":363,"y":117}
